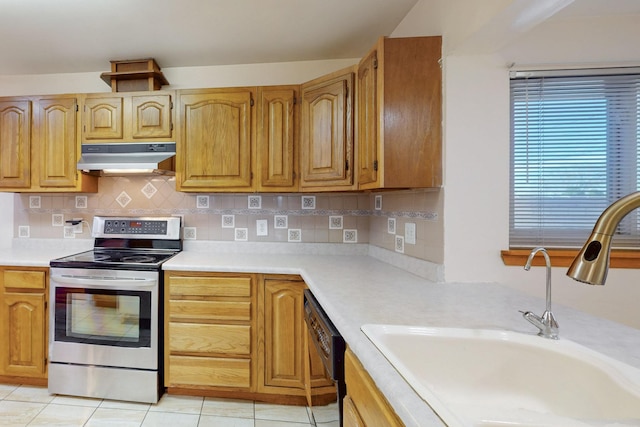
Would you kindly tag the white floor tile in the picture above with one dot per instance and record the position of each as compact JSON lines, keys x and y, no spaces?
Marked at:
{"x":228,"y":408}
{"x":77,"y":401}
{"x":215,"y":421}
{"x":295,"y":414}
{"x":271,"y":423}
{"x":181,"y":404}
{"x":170,"y":419}
{"x":118,"y":404}
{"x":106,"y":417}
{"x":62,"y":415}
{"x":26,"y":393}
{"x":19,"y":413}
{"x":6,"y":389}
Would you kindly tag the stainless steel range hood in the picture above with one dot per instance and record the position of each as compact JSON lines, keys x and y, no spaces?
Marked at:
{"x":118,"y":158}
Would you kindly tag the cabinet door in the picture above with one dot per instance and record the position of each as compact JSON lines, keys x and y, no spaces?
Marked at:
{"x":103,"y":118}
{"x":368,"y":121}
{"x":326,"y":137}
{"x":276,"y":138}
{"x":283,"y":329}
{"x":351,"y":417}
{"x":216,"y":138}
{"x":56,"y":141}
{"x":15,"y":144}
{"x":151,"y":116}
{"x":23,"y":334}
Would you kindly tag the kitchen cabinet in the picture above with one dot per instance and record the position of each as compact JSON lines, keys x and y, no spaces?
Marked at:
{"x":39,"y":146}
{"x":210,"y":331}
{"x":399,"y":114}
{"x":282,"y":349}
{"x":276,"y":138}
{"x":15,"y":143}
{"x":128,"y":117}
{"x":326,"y":133}
{"x":216,"y":140}
{"x":365,"y":405}
{"x":23,"y":325}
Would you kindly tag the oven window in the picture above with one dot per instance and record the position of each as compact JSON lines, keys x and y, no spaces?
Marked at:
{"x":103,"y":317}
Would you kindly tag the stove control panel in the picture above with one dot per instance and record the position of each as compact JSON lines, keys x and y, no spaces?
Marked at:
{"x":163,"y":228}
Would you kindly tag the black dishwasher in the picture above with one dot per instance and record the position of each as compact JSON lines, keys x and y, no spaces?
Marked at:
{"x":329,"y":343}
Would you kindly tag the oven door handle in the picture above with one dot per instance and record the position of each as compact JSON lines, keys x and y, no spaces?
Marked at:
{"x":101,"y":282}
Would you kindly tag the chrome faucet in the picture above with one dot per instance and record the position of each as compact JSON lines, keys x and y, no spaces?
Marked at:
{"x":592,"y":262}
{"x":547,"y":323}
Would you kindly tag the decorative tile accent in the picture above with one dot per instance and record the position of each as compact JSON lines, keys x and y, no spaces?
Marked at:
{"x":57,"y":220}
{"x":295,"y":235}
{"x":335,"y":222}
{"x":254,"y":202}
{"x":81,"y":202}
{"x":400,"y":244}
{"x":228,"y":221}
{"x":280,"y":221}
{"x":350,"y":236}
{"x":241,"y":234}
{"x":308,"y":202}
{"x":262,"y":227}
{"x":23,"y":231}
{"x":189,"y":233}
{"x":149,"y":190}
{"x":34,"y":202}
{"x":202,"y":202}
{"x":391,"y":226}
{"x":123,"y":199}
{"x":410,"y":233}
{"x":378,"y":202}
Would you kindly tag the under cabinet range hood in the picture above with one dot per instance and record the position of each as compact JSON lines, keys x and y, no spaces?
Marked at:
{"x":119,"y":158}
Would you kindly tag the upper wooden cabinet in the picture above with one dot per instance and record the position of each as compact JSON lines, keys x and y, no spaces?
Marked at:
{"x":127,"y":117}
{"x":399,"y":119}
{"x":276,"y":138}
{"x":326,"y":133}
{"x":15,"y":143}
{"x":216,"y":139}
{"x":39,"y":146}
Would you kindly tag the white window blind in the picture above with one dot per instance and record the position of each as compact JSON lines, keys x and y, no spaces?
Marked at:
{"x":574,"y":142}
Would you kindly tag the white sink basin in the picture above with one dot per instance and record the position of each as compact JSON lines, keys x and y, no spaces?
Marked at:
{"x":485,"y":378}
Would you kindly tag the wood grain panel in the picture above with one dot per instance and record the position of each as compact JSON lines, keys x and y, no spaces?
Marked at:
{"x":24,"y":279}
{"x":185,"y":310}
{"x":201,"y":371}
{"x":208,"y":286}
{"x":15,"y":144}
{"x":151,"y":116}
{"x":209,"y":339}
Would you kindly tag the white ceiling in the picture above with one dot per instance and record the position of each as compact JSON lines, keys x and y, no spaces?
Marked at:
{"x":57,"y":36}
{"x":64,"y":36}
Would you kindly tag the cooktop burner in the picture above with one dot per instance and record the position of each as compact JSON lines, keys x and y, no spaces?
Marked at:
{"x":102,"y":257}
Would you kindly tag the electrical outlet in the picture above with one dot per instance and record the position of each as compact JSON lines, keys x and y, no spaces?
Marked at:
{"x":410,"y":233}
{"x":262,"y":227}
{"x":78,"y":227}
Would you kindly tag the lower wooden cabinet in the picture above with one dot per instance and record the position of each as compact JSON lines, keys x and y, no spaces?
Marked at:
{"x":23,"y":325}
{"x":364,"y":405}
{"x":241,"y":336}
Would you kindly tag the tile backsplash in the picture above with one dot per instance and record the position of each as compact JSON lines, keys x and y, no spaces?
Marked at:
{"x":310,"y":218}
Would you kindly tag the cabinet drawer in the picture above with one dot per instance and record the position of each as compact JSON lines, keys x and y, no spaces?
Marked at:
{"x":212,"y":339}
{"x":202,"y":286}
{"x":210,"y":310}
{"x":24,"y":279}
{"x":208,"y":371}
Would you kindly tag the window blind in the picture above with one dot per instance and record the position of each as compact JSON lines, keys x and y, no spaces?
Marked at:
{"x":574,"y":151}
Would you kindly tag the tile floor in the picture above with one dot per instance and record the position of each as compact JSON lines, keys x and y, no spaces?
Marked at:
{"x":33,"y":406}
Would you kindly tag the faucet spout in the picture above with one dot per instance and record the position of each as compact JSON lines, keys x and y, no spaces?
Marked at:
{"x":547,"y":323}
{"x":592,"y":262}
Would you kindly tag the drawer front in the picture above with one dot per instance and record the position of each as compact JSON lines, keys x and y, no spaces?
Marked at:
{"x":208,"y":371}
{"x":210,"y":339}
{"x":209,"y":310}
{"x":24,"y":279}
{"x":185,"y":286}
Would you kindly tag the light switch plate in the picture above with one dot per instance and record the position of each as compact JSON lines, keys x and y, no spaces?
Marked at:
{"x":410,"y":233}
{"x":262,"y":227}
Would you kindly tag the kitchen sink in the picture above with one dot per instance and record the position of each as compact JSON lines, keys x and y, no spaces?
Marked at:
{"x":491,"y":378}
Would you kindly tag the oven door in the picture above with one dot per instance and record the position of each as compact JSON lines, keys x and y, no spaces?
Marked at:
{"x":104,"y":317}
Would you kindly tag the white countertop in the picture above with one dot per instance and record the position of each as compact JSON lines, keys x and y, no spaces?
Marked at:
{"x":359,"y":289}
{"x":355,"y":288}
